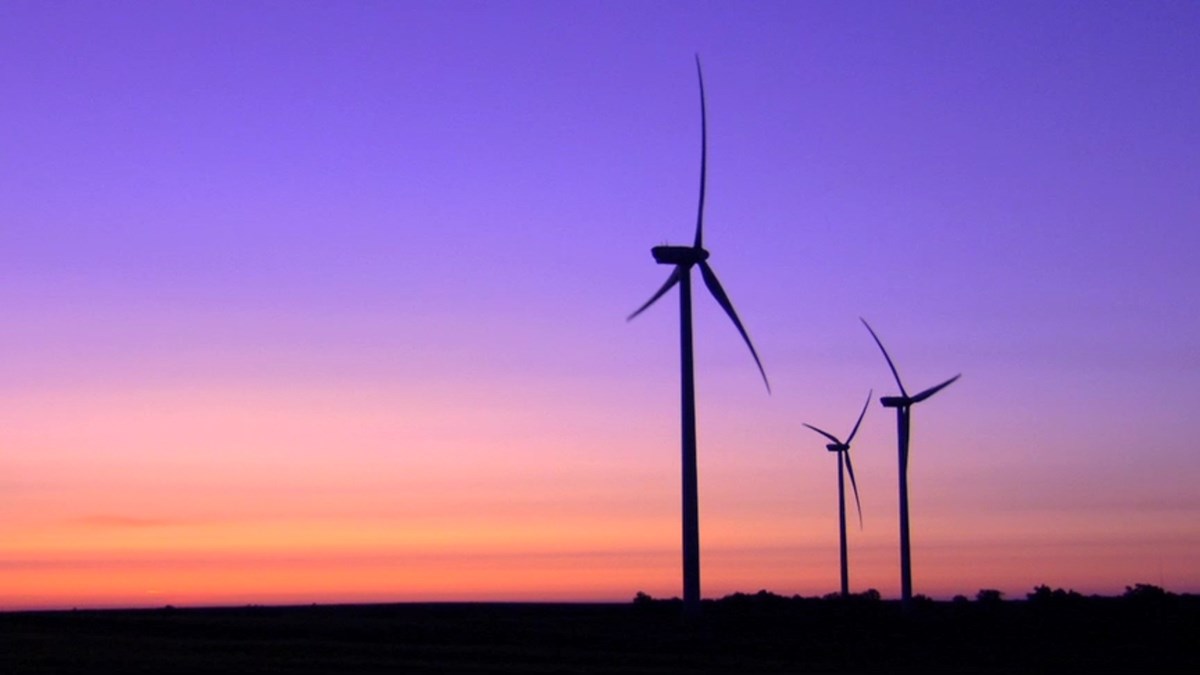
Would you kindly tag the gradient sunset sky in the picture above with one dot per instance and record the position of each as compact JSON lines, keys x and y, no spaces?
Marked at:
{"x":325,"y":301}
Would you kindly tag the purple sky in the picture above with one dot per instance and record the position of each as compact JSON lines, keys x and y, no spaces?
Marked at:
{"x":442,"y":213}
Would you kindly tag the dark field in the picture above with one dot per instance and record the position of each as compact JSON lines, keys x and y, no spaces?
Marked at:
{"x":740,"y":634}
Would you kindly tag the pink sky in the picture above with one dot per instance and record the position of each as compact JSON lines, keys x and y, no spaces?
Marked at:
{"x":317,"y":302}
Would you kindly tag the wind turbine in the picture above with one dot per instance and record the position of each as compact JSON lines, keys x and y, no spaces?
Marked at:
{"x":903,"y":403}
{"x":843,"y":450}
{"x":684,"y":258}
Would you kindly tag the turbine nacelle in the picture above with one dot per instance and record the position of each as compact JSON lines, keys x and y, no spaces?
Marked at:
{"x":837,"y":447}
{"x":903,"y":400}
{"x":906,"y":401}
{"x":684,"y":256}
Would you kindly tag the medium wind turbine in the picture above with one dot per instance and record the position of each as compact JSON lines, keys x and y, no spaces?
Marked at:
{"x":843,"y":450}
{"x":903,"y":403}
{"x":684,"y":258}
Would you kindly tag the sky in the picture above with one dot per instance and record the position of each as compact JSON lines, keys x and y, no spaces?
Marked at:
{"x":325,"y":301}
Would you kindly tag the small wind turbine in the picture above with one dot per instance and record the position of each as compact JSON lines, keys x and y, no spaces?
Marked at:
{"x":684,"y":258}
{"x":902,"y":404}
{"x":843,"y":450}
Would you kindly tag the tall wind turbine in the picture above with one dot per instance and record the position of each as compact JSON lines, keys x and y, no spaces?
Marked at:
{"x":843,"y":451}
{"x":903,"y":403}
{"x":684,"y":258}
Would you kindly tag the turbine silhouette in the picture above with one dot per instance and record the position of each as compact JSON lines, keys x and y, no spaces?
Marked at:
{"x":903,"y":403}
{"x":843,"y":450}
{"x":684,"y":258}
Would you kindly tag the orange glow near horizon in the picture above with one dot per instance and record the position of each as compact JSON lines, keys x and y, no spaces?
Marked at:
{"x":103,"y":578}
{"x":513,"y":554}
{"x":143,"y":512}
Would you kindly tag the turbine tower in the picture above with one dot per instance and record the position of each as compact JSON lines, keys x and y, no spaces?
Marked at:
{"x":843,"y":451}
{"x":903,"y":404}
{"x":684,"y":258}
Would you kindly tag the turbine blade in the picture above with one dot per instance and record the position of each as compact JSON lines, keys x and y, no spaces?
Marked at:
{"x":933,"y":390}
{"x":671,"y":281}
{"x":861,"y":415}
{"x":885,"y":355}
{"x":854,"y":485}
{"x":714,"y":286}
{"x":703,"y":158}
{"x":826,"y":434}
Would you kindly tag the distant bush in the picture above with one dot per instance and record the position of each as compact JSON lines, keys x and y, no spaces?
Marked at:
{"x":1146,"y":593}
{"x":1043,"y":595}
{"x":867,"y":597}
{"x":921,"y":600}
{"x":760,"y":600}
{"x":870,"y":595}
{"x":989,"y":596}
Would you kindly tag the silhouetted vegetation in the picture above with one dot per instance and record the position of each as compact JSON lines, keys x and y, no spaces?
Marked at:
{"x":1145,"y":630}
{"x":988,"y":596}
{"x":1043,"y":595}
{"x":1146,"y":593}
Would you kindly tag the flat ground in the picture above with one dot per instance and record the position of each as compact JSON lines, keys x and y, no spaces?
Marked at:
{"x":743,"y":634}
